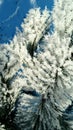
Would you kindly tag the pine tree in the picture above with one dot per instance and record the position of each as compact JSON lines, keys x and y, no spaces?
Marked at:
{"x":36,"y":72}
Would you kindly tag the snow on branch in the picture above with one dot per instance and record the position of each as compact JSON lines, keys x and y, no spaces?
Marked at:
{"x":35,"y":26}
{"x":36,"y":72}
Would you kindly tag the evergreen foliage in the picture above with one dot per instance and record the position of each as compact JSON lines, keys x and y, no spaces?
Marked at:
{"x":36,"y":72}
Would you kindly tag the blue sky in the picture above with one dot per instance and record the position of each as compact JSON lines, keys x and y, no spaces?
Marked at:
{"x":42,"y":3}
{"x":12,"y":13}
